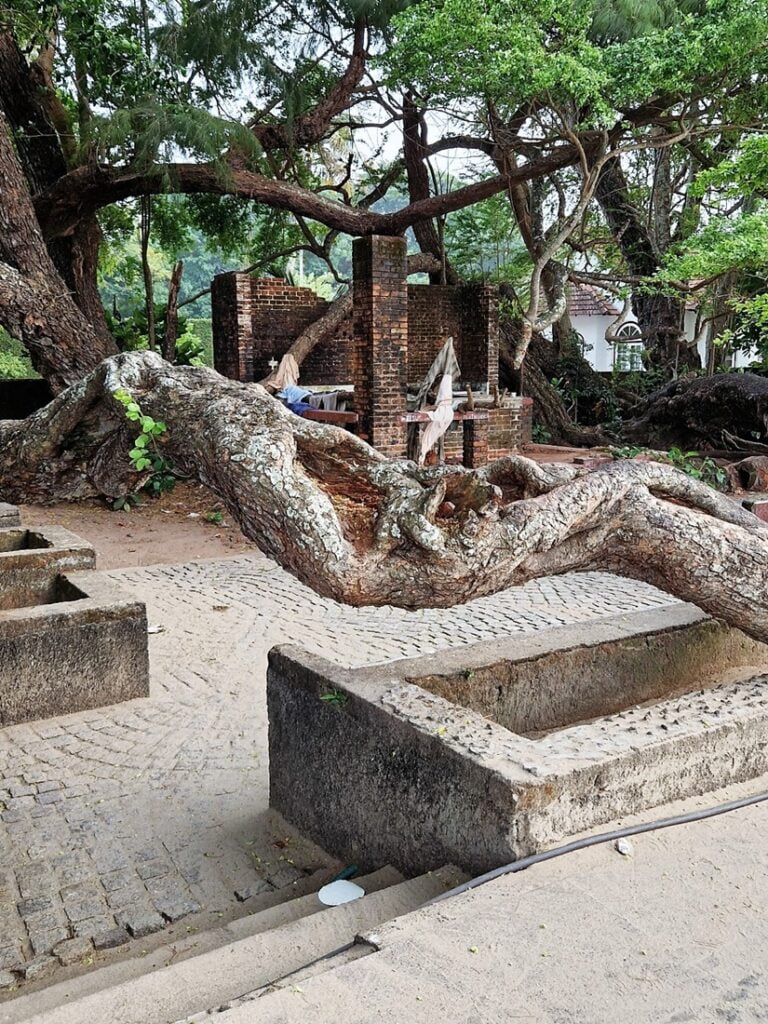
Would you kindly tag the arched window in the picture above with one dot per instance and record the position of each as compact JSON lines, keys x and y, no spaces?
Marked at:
{"x":628,"y":348}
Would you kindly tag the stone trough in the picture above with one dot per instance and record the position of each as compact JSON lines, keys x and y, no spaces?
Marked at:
{"x":9,"y":515}
{"x":483,"y":754}
{"x":67,"y":642}
{"x":30,"y":560}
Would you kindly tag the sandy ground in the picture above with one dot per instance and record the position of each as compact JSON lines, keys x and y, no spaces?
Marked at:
{"x":170,"y":529}
{"x":163,"y":810}
{"x":675,"y":933}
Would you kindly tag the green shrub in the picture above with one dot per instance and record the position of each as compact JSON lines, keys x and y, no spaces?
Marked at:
{"x":14,"y":361}
{"x":190,"y":350}
{"x":203,"y":330}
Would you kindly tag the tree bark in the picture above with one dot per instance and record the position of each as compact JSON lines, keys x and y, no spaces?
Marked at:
{"x":35,"y":303}
{"x":662,"y":328}
{"x":171,"y":326}
{"x":145,"y":230}
{"x":366,"y":530}
{"x":660,"y":317}
{"x":549,"y":411}
{"x":728,"y":410}
{"x":562,"y":329}
{"x":43,"y":142}
{"x":414,"y":156}
{"x":76,"y":259}
{"x":37,"y":143}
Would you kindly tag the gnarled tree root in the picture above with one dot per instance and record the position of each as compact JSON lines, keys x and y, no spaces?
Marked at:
{"x":366,"y":530}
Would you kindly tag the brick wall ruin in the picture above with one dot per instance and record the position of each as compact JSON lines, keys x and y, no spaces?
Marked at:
{"x":507,"y":429}
{"x":392,"y":337}
{"x":279,"y":312}
{"x":469,"y":314}
{"x":270,"y":316}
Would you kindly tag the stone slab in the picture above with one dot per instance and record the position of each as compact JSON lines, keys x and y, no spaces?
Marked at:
{"x":86,"y":650}
{"x":9,"y":515}
{"x":378,"y":769}
{"x":30,"y":561}
{"x":611,"y":665}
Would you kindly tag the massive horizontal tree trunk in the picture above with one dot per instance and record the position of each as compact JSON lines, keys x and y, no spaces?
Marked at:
{"x":366,"y":530}
{"x":729,"y":410}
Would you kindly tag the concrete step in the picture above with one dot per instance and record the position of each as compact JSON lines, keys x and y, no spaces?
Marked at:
{"x":294,"y":910}
{"x":294,"y":981}
{"x":157,"y":950}
{"x":270,"y":910}
{"x":227,"y":974}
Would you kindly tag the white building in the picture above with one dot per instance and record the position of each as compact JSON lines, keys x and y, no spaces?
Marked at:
{"x":592,"y":315}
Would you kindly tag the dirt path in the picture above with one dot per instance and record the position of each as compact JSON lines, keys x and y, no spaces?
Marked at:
{"x":169,"y":529}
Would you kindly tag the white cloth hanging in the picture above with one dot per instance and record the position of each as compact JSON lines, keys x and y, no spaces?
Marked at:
{"x":445,"y":362}
{"x":286,"y":374}
{"x":440,"y":418}
{"x":326,"y":400}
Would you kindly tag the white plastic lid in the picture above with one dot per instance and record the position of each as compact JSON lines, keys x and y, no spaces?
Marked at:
{"x":343,"y":891}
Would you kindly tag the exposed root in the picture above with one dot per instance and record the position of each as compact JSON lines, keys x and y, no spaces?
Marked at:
{"x":366,"y":530}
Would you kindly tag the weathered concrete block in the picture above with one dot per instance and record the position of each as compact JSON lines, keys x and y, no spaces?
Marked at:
{"x":481,"y":755}
{"x":30,"y":561}
{"x":85,"y":648}
{"x":9,"y":515}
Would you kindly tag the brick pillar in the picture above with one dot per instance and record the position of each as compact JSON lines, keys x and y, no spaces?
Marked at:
{"x":380,"y":296}
{"x":490,"y":299}
{"x":232,"y":328}
{"x":479,"y":352}
{"x":475,"y":443}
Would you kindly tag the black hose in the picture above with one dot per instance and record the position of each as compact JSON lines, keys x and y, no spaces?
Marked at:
{"x":601,"y":837}
{"x":537,"y":858}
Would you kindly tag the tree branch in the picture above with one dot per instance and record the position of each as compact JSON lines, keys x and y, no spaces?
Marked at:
{"x":83,"y":191}
{"x":309,"y":128}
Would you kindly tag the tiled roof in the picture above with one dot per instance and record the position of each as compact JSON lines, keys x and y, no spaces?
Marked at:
{"x":584,"y":300}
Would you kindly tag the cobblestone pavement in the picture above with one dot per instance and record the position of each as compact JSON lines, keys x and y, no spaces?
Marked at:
{"x":121,"y":821}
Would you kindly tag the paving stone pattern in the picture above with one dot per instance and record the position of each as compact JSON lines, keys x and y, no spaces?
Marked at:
{"x":120,"y":821}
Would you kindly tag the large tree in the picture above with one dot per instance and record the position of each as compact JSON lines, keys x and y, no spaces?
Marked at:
{"x":125,"y":100}
{"x":105,"y":102}
{"x":364,"y":529}
{"x":648,"y":94}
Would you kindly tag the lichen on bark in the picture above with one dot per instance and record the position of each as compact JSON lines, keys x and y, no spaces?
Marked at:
{"x":366,"y":530}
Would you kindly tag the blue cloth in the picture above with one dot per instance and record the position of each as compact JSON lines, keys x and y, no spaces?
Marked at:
{"x":299,"y":407}
{"x":293,"y":394}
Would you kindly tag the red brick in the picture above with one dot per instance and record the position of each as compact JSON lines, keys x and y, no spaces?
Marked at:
{"x":391,"y":339}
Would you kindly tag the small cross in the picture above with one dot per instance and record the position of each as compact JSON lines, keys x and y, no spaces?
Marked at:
{"x":273,"y":364}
